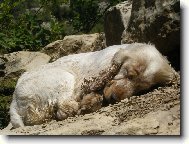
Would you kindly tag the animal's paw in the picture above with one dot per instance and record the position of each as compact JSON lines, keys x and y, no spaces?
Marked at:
{"x":90,"y":103}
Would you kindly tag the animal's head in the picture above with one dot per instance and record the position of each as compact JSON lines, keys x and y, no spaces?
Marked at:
{"x":142,"y":66}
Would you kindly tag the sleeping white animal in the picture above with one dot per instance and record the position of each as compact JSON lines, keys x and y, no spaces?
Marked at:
{"x":55,"y":90}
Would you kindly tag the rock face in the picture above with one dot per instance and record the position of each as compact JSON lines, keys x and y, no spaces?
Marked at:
{"x":23,"y":60}
{"x":75,"y":44}
{"x":116,"y":20}
{"x":14,"y":64}
{"x":154,"y":21}
{"x":157,"y":22}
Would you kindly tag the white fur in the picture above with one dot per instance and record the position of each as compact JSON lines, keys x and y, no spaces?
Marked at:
{"x":56,"y":83}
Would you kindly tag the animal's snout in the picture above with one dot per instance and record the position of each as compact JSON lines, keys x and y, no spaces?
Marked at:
{"x":113,"y":98}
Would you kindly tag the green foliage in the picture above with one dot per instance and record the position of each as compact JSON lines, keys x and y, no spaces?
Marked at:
{"x":26,"y":30}
{"x":4,"y":110}
{"x":87,"y":13}
{"x":7,"y":86}
{"x":25,"y":35}
{"x":98,"y":27}
{"x":32,"y":24}
{"x":114,"y":2}
{"x":6,"y":8}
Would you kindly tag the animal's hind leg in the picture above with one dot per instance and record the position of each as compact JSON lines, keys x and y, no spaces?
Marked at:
{"x":66,"y":108}
{"x":16,"y":119}
{"x":35,"y":116}
{"x":66,"y":105}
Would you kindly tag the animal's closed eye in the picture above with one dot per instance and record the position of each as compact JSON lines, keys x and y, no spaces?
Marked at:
{"x":135,"y":70}
{"x":118,"y":77}
{"x":132,"y":74}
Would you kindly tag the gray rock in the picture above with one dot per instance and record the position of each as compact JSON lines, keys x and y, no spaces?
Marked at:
{"x":24,"y":60}
{"x":116,"y":20}
{"x":150,"y":21}
{"x":156,"y":22}
{"x":75,"y":44}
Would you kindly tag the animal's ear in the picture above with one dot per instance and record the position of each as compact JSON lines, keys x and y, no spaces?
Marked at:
{"x":120,"y":56}
{"x":165,"y":75}
{"x":121,"y":74}
{"x":134,"y":68}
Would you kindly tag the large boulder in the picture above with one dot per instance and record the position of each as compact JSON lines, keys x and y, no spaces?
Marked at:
{"x":116,"y":20}
{"x":156,"y":22}
{"x":23,"y":60}
{"x":75,"y":44}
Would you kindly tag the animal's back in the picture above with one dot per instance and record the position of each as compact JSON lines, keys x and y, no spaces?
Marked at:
{"x":37,"y":89}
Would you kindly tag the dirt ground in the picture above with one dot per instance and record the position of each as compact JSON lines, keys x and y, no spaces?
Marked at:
{"x":154,"y":113}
